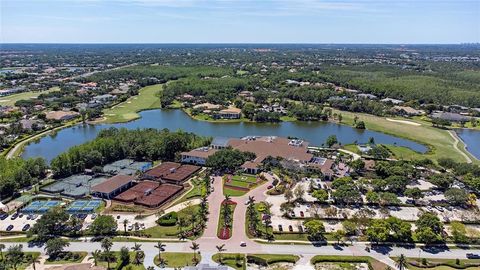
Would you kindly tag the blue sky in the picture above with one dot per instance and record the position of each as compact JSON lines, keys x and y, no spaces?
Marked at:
{"x":240,"y":21}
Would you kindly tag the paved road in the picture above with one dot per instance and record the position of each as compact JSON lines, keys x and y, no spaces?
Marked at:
{"x":210,"y":240}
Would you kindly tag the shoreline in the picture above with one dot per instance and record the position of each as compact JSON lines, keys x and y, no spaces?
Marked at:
{"x":17,"y":150}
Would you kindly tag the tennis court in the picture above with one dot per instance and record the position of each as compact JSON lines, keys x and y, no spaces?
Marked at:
{"x":83,"y":206}
{"x":40,"y":206}
{"x":126,"y":167}
{"x":75,"y":186}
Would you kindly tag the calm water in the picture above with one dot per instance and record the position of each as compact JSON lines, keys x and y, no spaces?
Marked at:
{"x":314,"y":132}
{"x":471,"y":139}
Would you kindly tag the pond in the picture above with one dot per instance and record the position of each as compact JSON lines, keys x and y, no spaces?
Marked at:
{"x":471,"y":137}
{"x":314,"y":132}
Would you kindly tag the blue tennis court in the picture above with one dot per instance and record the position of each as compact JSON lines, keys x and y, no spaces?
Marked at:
{"x":40,"y":206}
{"x":83,"y":206}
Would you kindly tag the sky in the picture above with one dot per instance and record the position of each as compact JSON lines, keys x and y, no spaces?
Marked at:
{"x":240,"y":21}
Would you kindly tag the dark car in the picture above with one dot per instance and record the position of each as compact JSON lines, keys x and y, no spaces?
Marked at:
{"x":9,"y":228}
{"x":14,"y":216}
{"x":26,"y":227}
{"x":473,"y":256}
{"x":3,"y":216}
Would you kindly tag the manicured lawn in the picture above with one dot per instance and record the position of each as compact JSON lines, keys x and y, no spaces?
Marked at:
{"x":245,"y":178}
{"x":177,"y":259}
{"x":25,"y":262}
{"x":10,"y":100}
{"x":233,"y":192}
{"x":237,"y":183}
{"x":352,"y":148}
{"x":131,"y":265}
{"x":400,"y":152}
{"x":287,"y":118}
{"x":197,"y":191}
{"x":277,"y":258}
{"x":448,"y":264}
{"x":439,"y":140}
{"x":376,"y":265}
{"x":234,"y":260}
{"x":72,"y":260}
{"x":171,"y":231}
{"x":146,"y":99}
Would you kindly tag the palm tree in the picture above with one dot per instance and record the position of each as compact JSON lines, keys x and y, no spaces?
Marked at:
{"x":33,"y":260}
{"x":220,"y":249}
{"x":125,"y":222}
{"x":227,"y":197}
{"x":150,"y":268}
{"x":2,"y":247}
{"x":95,"y":256}
{"x":195,"y":247}
{"x":136,"y":247}
{"x":138,"y":253}
{"x":161,"y":248}
{"x":107,"y":246}
{"x":401,"y":262}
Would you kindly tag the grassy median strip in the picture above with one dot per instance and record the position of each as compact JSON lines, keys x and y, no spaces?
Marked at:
{"x":372,"y":263}
{"x":146,"y":99}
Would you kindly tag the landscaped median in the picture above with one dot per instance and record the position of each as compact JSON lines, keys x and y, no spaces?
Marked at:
{"x":348,"y":262}
{"x":239,"y":261}
{"x":225,"y":222}
{"x":441,"y":264}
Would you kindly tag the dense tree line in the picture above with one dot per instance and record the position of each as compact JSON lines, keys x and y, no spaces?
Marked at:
{"x":228,"y":159}
{"x":114,"y":144}
{"x":459,"y":87}
{"x":17,"y":173}
{"x":218,"y":90}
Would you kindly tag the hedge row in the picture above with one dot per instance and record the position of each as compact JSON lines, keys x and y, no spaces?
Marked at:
{"x":265,"y":262}
{"x":449,"y":264}
{"x":320,"y":259}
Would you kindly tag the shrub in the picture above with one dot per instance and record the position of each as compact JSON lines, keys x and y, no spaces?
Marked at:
{"x":169,"y":219}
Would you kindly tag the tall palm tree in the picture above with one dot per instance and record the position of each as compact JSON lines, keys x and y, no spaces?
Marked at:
{"x":138,"y":253}
{"x":401,"y":262}
{"x":220,"y":249}
{"x":195,"y":247}
{"x":2,"y":247}
{"x":137,"y":247}
{"x":95,"y":256}
{"x":193,"y":218}
{"x":33,"y":260}
{"x":125,"y":222}
{"x":161,"y":248}
{"x":107,"y":246}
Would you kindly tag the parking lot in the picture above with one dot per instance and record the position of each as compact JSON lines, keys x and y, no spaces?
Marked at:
{"x":17,"y":223}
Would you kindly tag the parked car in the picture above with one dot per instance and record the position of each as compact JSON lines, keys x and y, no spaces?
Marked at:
{"x":3,"y":216}
{"x":9,"y":228}
{"x":94,"y":216}
{"x":26,"y":227}
{"x":243,"y":244}
{"x":473,"y":256}
{"x":14,"y":216}
{"x":280,"y":228}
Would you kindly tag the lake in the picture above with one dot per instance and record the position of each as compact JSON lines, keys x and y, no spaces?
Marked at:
{"x":316,"y":133}
{"x":471,"y":138}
